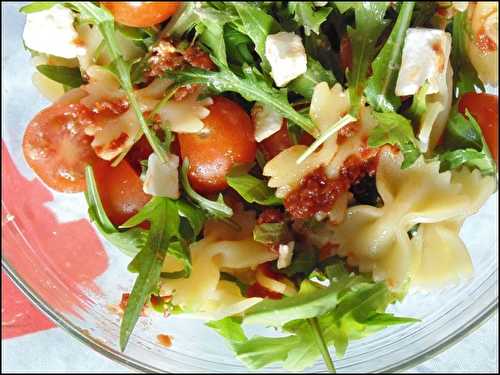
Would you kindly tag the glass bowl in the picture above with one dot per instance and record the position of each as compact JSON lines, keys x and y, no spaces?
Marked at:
{"x":54,"y":255}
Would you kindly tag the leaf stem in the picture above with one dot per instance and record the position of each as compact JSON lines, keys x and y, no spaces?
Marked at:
{"x":320,"y":341}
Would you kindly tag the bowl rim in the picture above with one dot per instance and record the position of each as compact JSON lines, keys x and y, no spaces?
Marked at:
{"x":134,"y":364}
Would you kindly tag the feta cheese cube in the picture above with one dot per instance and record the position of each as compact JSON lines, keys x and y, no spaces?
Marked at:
{"x":51,"y":31}
{"x":285,"y":254}
{"x":425,"y":58}
{"x":267,"y":121}
{"x":287,"y":56}
{"x":162,"y":179}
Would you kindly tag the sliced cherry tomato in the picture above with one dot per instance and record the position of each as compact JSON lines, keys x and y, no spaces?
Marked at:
{"x":257,"y":290}
{"x":141,"y":13}
{"x":484,"y":108}
{"x":139,"y":151}
{"x":227,"y":139}
{"x":280,"y":141}
{"x":56,"y":147}
{"x":120,"y":189}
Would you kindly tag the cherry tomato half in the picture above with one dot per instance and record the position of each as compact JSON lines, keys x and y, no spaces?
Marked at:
{"x":141,"y":13}
{"x":280,"y":141}
{"x":56,"y":147}
{"x":484,"y":108}
{"x":227,"y":139}
{"x":120,"y":189}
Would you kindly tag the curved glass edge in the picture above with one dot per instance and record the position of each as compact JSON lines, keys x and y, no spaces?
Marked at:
{"x":120,"y":358}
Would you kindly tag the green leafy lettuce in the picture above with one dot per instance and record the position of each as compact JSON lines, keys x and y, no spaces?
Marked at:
{"x":380,"y":87}
{"x":70,"y":77}
{"x":370,"y":24}
{"x":465,"y":76}
{"x":307,"y":15}
{"x":350,"y":308}
{"x":253,"y":86}
{"x":396,"y":130}
{"x":252,"y":189}
{"x":464,"y":144}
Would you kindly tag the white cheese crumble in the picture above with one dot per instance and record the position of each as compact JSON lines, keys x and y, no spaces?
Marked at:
{"x":267,"y":121}
{"x":425,"y":58}
{"x":285,"y":254}
{"x":162,"y":179}
{"x":287,"y":56}
{"x":51,"y":31}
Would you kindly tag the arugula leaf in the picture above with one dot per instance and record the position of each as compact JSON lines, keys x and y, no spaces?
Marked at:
{"x":180,"y":251}
{"x":318,"y":47}
{"x":301,"y":306}
{"x":217,"y":209}
{"x":396,"y":130}
{"x":238,"y":46}
{"x":306,"y":14}
{"x":419,"y":103}
{"x":258,"y":351}
{"x":252,"y":87}
{"x":305,"y":259}
{"x":358,"y":311}
{"x":465,"y":76}
{"x":252,"y":189}
{"x":71,"y":77}
{"x":315,"y":73}
{"x":270,"y":233}
{"x":211,"y":31}
{"x":183,"y":20}
{"x":257,"y":24}
{"x":131,"y":241}
{"x":470,"y":157}
{"x":462,"y":132}
{"x":370,"y":24}
{"x":380,"y":87}
{"x":37,"y":6}
{"x":464,"y":144}
{"x":104,"y":21}
{"x":195,"y":216}
{"x":164,"y":225}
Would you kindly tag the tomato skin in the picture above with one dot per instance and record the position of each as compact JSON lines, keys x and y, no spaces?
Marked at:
{"x":56,"y":147}
{"x":139,"y":151}
{"x":141,"y":13}
{"x":281,"y":140}
{"x":257,"y":290}
{"x":227,"y":139}
{"x":120,"y":189}
{"x":484,"y":108}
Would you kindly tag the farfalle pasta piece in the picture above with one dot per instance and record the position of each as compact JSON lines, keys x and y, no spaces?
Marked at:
{"x":442,"y":258}
{"x":327,"y":107}
{"x":357,"y":142}
{"x":376,"y":239}
{"x":186,"y":116}
{"x":118,"y":133}
{"x":204,"y":293}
